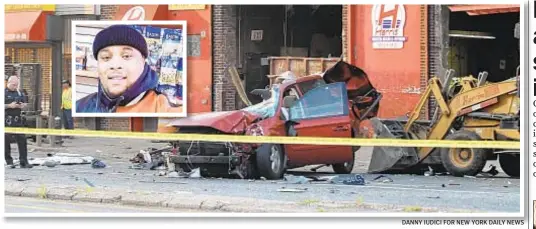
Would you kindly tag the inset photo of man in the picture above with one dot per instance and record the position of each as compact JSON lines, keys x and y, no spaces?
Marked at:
{"x":129,"y":70}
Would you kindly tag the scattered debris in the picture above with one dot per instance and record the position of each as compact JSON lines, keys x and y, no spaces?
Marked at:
{"x":23,"y":179}
{"x":385,"y":180}
{"x":317,"y":179}
{"x":196,"y":173}
{"x":163,"y":182}
{"x":97,"y":164}
{"x":172,"y":174}
{"x":348,"y":179}
{"x":98,"y":151}
{"x":295,"y":190}
{"x":60,"y":159}
{"x":162,"y":173}
{"x":491,"y":172}
{"x":333,"y":190}
{"x":88,"y":183}
{"x":263,"y":178}
{"x":251,"y":180}
{"x":454,"y":184}
{"x":50,"y":163}
{"x":117,"y":157}
{"x":150,"y":159}
{"x":443,"y":185}
{"x":466,"y":176}
{"x":432,"y":197}
{"x":291,"y":179}
{"x":430,"y":172}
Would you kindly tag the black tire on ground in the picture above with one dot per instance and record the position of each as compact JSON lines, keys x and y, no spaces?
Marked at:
{"x":460,"y":162}
{"x":510,"y":164}
{"x":344,"y":168}
{"x":270,"y":160}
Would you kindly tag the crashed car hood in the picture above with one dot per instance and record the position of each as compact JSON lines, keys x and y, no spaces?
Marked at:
{"x":225,"y":121}
{"x":356,"y":80}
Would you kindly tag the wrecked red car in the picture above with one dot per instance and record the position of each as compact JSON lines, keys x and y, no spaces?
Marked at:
{"x":331,"y":104}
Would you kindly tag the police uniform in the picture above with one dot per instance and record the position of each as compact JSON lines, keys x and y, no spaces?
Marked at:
{"x":14,"y":118}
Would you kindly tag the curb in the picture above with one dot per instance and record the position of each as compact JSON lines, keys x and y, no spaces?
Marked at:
{"x":186,"y":200}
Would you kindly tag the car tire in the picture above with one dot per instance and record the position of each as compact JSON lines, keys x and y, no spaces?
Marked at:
{"x":344,"y":168}
{"x":510,"y":164}
{"x":270,"y":161}
{"x":464,"y":161}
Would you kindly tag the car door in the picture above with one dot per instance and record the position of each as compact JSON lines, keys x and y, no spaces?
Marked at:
{"x":321,"y":112}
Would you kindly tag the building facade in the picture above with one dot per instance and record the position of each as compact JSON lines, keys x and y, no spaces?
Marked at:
{"x":400,"y":46}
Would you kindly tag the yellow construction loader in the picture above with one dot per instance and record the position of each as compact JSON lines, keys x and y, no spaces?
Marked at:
{"x":470,"y":109}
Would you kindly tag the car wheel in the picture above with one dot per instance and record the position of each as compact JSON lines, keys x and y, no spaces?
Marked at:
{"x":510,"y":164}
{"x":344,"y":168}
{"x":270,"y":160}
{"x":464,"y":161}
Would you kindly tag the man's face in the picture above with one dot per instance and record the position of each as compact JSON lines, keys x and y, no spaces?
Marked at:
{"x":13,"y":83}
{"x":119,"y":67}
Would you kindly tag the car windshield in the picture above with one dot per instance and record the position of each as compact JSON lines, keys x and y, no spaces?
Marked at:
{"x":266,"y":108}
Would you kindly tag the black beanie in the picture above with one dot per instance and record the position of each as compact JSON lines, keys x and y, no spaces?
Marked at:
{"x":119,"y":35}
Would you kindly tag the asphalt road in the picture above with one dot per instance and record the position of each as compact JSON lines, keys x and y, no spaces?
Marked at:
{"x":496,"y":194}
{"x":33,"y":205}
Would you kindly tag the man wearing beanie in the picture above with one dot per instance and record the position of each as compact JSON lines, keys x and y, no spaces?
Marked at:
{"x":127,"y":84}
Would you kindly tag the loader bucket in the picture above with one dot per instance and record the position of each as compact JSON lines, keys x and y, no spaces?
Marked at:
{"x":391,"y":159}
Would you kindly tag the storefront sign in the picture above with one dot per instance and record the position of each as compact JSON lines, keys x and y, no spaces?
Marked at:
{"x":388,"y":26}
{"x":186,"y":7}
{"x":136,"y":13}
{"x":22,"y":7}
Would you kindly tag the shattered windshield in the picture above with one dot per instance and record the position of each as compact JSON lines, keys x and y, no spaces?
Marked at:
{"x":266,"y":108}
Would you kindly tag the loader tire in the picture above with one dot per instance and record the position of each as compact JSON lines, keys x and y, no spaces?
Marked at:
{"x":270,"y":160}
{"x":510,"y":164}
{"x":462,"y":161}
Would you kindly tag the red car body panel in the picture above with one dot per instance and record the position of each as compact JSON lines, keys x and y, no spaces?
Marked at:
{"x":345,"y":126}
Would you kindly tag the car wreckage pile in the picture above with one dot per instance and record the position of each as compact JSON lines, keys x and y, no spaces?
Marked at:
{"x":341,"y":102}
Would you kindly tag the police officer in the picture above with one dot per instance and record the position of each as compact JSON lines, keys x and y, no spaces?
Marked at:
{"x":15,"y":101}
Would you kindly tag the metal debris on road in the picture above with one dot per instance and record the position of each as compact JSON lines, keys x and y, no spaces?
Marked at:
{"x":23,"y":179}
{"x":291,"y":179}
{"x":294,"y":190}
{"x":385,"y":180}
{"x":433,"y":197}
{"x":89,"y":183}
{"x":348,"y":179}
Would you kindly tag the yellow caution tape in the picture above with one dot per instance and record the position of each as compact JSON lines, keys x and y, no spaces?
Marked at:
{"x":271,"y":139}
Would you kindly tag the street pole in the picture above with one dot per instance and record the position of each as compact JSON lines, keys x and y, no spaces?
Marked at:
{"x":54,"y":34}
{"x":56,"y":89}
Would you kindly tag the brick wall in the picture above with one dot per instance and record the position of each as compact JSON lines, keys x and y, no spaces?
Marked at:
{"x":224,"y":24}
{"x":108,"y":11}
{"x":344,"y":28}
